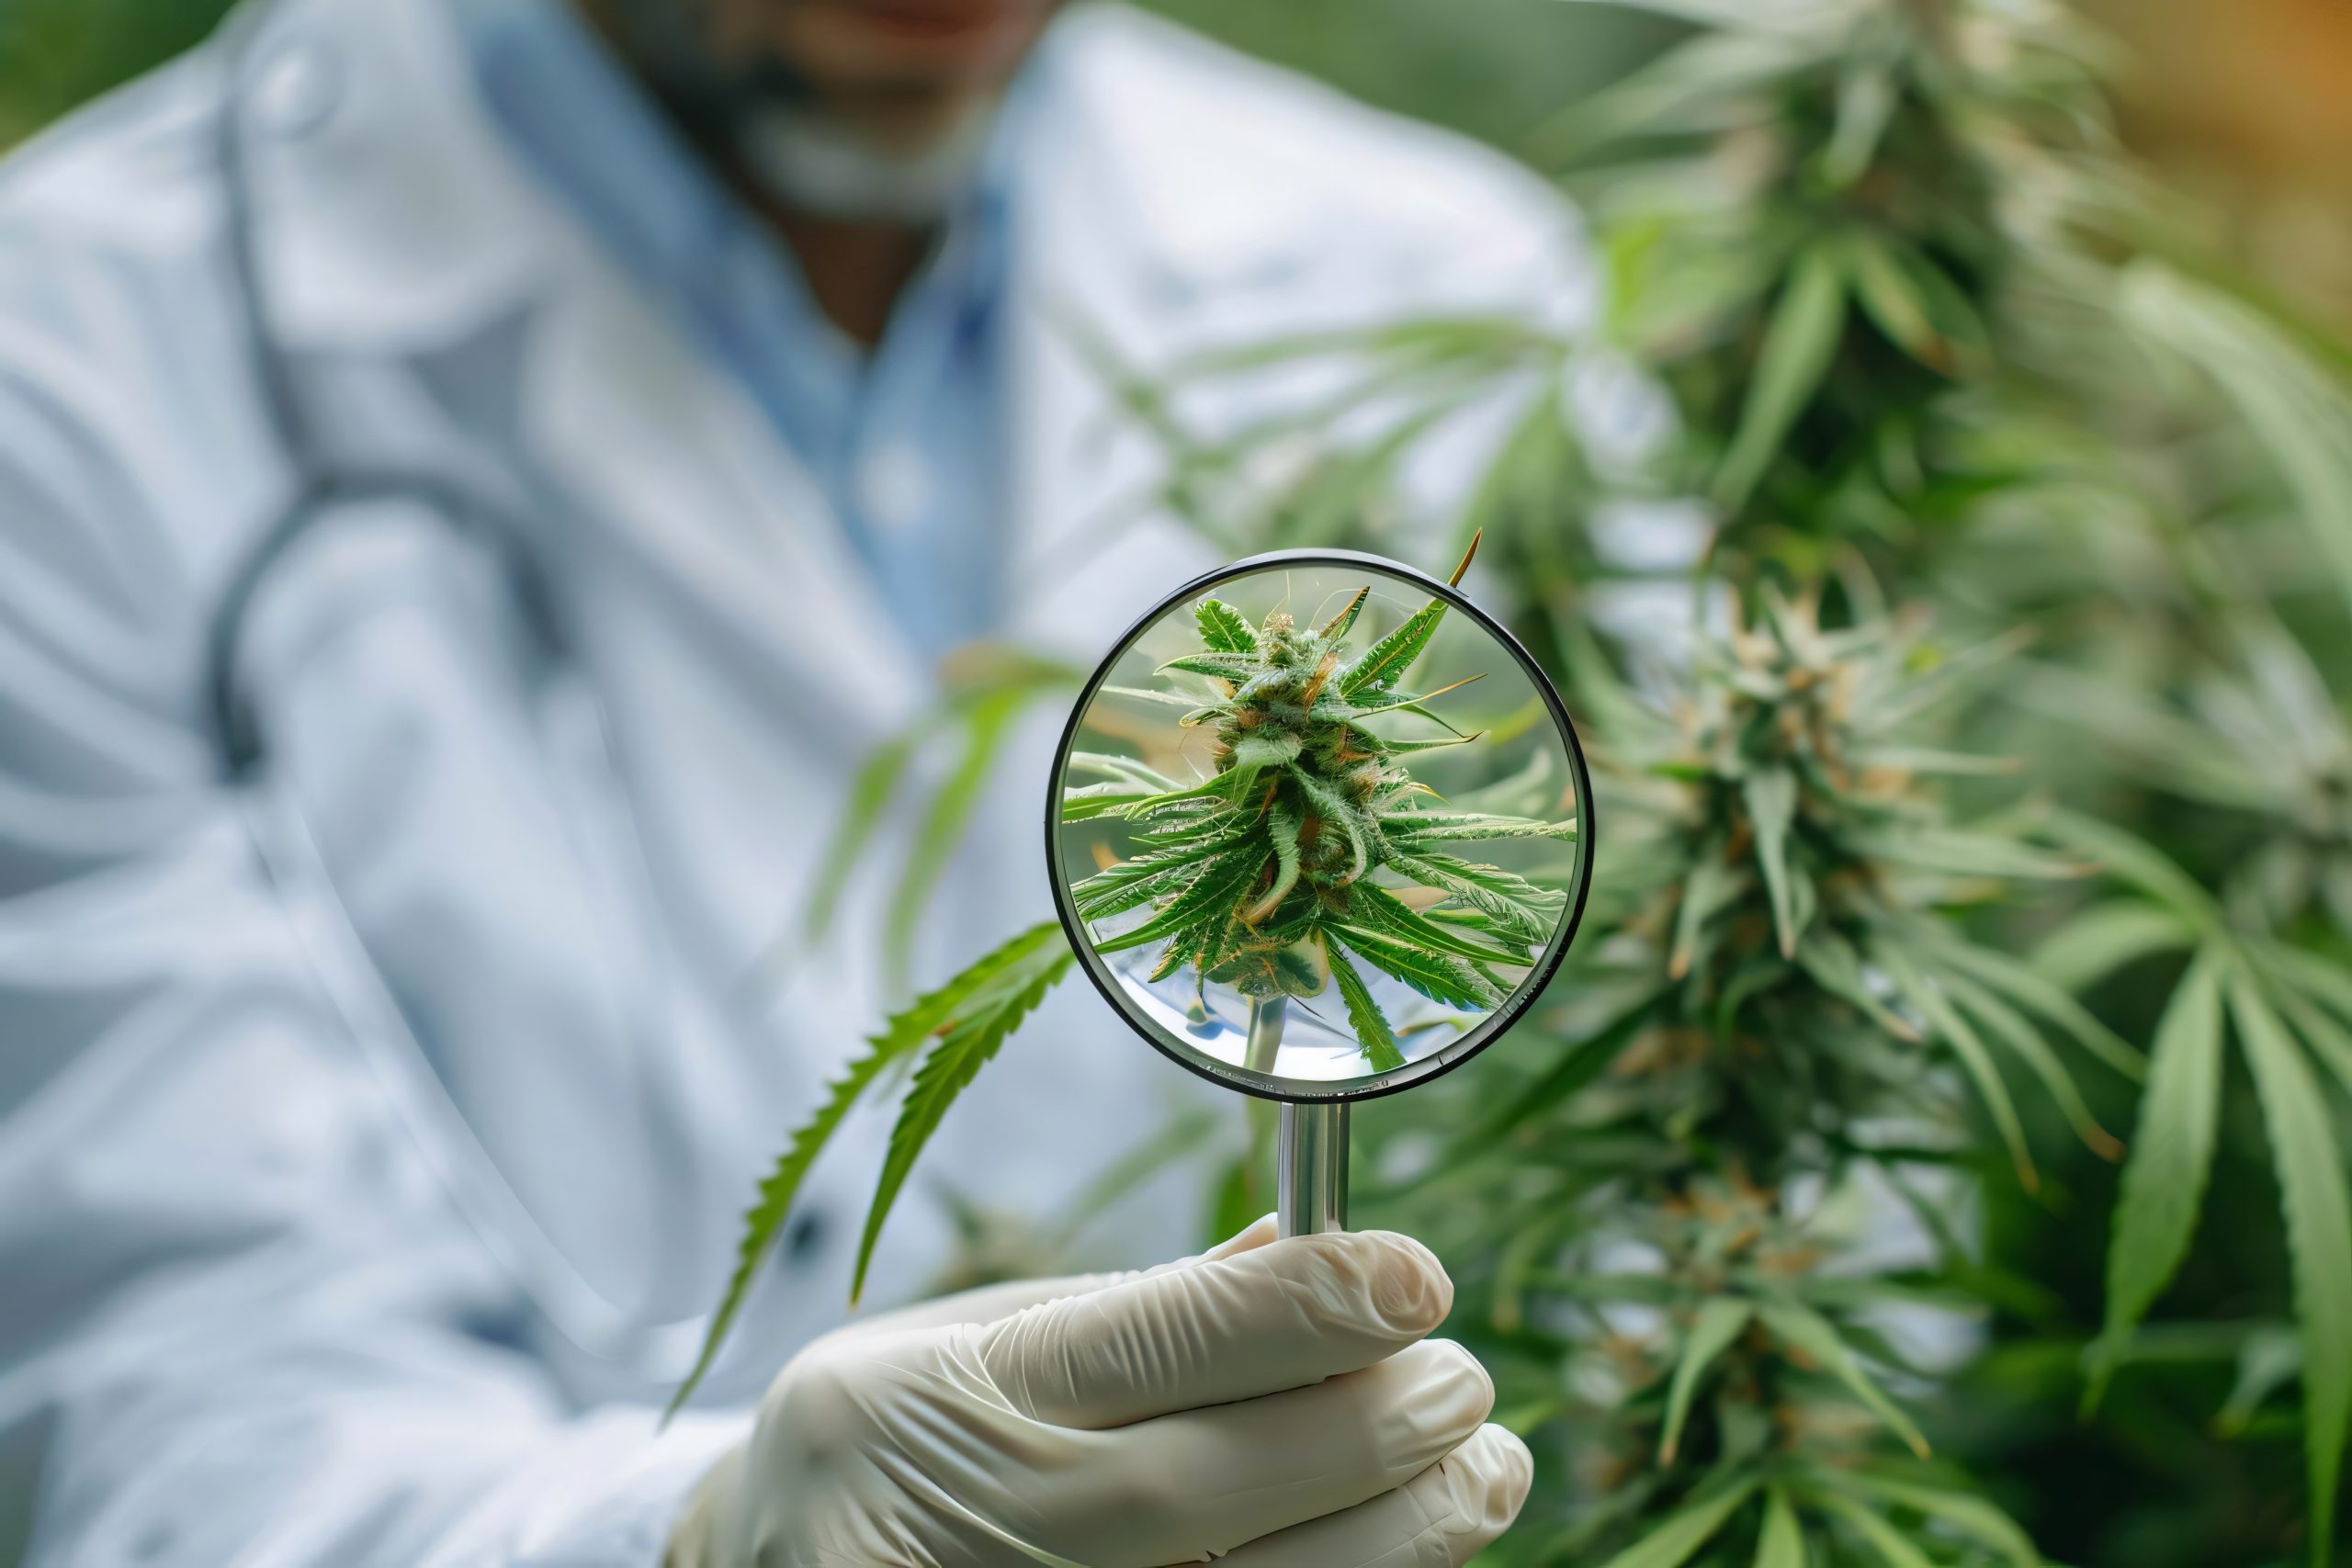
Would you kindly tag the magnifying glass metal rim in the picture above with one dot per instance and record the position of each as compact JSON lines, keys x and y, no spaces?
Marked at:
{"x":1266,"y":1086}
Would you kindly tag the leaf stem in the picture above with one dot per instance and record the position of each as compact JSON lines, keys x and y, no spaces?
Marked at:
{"x":1266,"y":1018}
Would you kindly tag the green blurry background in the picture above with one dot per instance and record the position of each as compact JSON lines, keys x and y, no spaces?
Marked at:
{"x":2246,"y":105}
{"x":1492,"y":67}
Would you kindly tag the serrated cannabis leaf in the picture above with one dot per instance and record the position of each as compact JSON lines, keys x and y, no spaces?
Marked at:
{"x":2164,"y":1181}
{"x":1224,"y":629}
{"x":904,"y":1033}
{"x":1384,"y":662}
{"x":1721,"y":1320}
{"x":1894,"y":1547}
{"x":2319,"y":1231}
{"x":1781,"y":1542}
{"x":1374,"y":1035}
{"x":959,"y":1048}
{"x":1970,"y":1515}
{"x":1771,"y":808}
{"x":1798,"y":347}
{"x":942,"y":825}
{"x":1674,"y":1543}
{"x":1803,"y":1330}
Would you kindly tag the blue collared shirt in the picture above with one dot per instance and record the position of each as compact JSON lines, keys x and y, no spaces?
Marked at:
{"x":904,"y":441}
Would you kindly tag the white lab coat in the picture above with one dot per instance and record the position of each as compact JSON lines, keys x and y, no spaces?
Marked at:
{"x":246,"y":1313}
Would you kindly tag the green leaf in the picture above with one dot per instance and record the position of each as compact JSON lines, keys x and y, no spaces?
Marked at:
{"x":1866,"y":98}
{"x":1684,"y":1532}
{"x":2106,"y":937}
{"x":1960,"y":853}
{"x":2037,"y":994}
{"x":2270,"y":1357}
{"x":1509,"y":913}
{"x":1386,"y":662}
{"x":1719,"y":1322}
{"x":2318,"y":996}
{"x":1339,"y":813}
{"x":1772,"y":797}
{"x":2329,"y":1041}
{"x":1083,"y":803}
{"x":1224,"y":629}
{"x":1439,"y":977}
{"x":1158,"y":875}
{"x":1375,"y":1037}
{"x":1257,"y":751}
{"x":1440,"y":743}
{"x":1282,"y":834}
{"x":2328,"y":984}
{"x":2163,"y":1183}
{"x":1231,"y":667}
{"x":2286,"y":402}
{"x":2137,"y":863}
{"x":961,"y":1047}
{"x":1780,"y":1543}
{"x":1372,"y":906}
{"x":1918,"y":306}
{"x":1339,"y":625}
{"x":1799,"y":342}
{"x":1806,"y":1331}
{"x":1946,"y":1024}
{"x":943,"y":823}
{"x":1894,"y":1547}
{"x":1964,"y":1511}
{"x":1150,"y":695}
{"x":1412,"y":828}
{"x":1215,"y":892}
{"x":1835,"y":966}
{"x":2319,"y":1227}
{"x":876,"y":782}
{"x":2010,"y":1028}
{"x":1120,"y":770}
{"x":905,"y":1032}
{"x":1710,"y":884}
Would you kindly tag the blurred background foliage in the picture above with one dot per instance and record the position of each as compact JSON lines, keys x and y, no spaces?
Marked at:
{"x":2109,"y":410}
{"x":2245,"y":104}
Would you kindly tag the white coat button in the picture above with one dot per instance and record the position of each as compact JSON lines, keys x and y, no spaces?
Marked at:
{"x":296,"y":89}
{"x":894,"y":488}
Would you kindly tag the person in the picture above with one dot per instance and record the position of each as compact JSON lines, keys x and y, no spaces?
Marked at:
{"x":476,"y":479}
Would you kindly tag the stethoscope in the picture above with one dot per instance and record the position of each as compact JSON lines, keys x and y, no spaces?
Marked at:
{"x":355,"y":985}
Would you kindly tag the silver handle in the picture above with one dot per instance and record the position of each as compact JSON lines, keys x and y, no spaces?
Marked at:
{"x":1312,"y":1150}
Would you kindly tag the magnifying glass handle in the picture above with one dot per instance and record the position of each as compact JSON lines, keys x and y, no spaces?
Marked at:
{"x":1312,"y":1150}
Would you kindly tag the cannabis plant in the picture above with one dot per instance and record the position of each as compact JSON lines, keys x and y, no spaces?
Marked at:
{"x":1927,"y":338}
{"x":1925,"y":326}
{"x":1267,"y":876}
{"x":1652,"y":1228}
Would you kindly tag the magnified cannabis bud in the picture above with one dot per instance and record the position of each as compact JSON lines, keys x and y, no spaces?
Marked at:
{"x":1265,"y":877}
{"x":1261,"y":877}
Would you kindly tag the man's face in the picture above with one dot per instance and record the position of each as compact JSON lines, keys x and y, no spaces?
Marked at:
{"x":901,"y":66}
{"x":919,"y":47}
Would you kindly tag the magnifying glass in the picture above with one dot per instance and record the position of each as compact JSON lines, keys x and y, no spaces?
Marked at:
{"x":1321,"y":830}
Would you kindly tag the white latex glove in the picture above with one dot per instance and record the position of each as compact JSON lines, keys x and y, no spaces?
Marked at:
{"x":1272,"y":1403}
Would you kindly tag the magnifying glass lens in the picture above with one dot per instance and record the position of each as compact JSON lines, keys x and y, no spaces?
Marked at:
{"x":1317,"y":828}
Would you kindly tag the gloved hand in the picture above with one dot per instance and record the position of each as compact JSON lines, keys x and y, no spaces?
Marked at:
{"x":1270,"y":1403}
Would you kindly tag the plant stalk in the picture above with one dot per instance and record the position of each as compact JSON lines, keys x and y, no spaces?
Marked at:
{"x":1266,"y":1019}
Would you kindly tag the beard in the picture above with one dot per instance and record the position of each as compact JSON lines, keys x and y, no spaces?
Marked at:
{"x":899,"y":153}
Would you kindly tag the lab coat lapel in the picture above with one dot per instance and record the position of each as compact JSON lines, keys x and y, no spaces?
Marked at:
{"x":1130,"y":250}
{"x":694,"y":479}
{"x":392,"y":224}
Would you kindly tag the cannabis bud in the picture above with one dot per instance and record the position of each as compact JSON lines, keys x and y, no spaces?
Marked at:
{"x":1311,"y":849}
